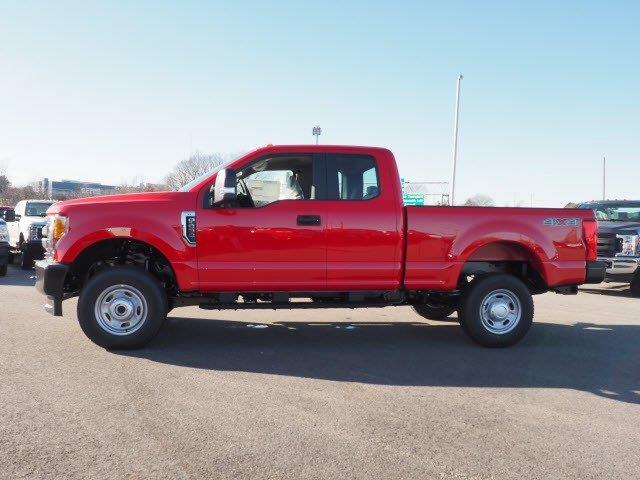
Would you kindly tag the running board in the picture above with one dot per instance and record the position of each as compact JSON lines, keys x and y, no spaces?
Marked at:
{"x":292,"y":305}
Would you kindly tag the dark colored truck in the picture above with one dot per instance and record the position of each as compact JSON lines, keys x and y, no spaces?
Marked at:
{"x":619,"y":240}
{"x":307,"y":227}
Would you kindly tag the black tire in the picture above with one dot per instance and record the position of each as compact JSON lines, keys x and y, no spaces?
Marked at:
{"x":635,"y":286}
{"x":26,"y":260}
{"x":145,"y":284}
{"x":3,"y":270}
{"x":434,"y":311}
{"x":504,"y":287}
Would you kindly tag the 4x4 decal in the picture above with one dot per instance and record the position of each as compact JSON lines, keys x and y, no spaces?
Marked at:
{"x":561,"y":222}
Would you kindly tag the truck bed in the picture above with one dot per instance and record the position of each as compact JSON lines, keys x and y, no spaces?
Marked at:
{"x":440,"y":240}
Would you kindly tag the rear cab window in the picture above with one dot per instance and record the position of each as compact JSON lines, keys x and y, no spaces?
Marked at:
{"x":352,"y":177}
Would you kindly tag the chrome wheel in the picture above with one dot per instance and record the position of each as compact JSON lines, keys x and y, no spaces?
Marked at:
{"x":121,"y":310}
{"x":500,"y":311}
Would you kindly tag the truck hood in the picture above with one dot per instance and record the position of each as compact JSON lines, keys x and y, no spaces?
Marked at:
{"x":34,"y":220}
{"x":618,"y":228}
{"x":129,"y":198}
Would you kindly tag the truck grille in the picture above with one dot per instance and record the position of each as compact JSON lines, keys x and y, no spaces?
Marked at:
{"x":608,"y":245}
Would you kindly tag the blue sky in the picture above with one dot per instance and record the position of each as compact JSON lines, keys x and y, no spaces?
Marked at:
{"x":113,"y":91}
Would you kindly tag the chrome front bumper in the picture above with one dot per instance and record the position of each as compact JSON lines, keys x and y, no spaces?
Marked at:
{"x":621,"y":269}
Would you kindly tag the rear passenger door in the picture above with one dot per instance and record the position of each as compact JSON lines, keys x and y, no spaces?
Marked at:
{"x":364,"y":223}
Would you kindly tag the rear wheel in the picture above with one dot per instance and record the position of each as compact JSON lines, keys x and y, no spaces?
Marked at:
{"x":497,"y":310}
{"x":122,"y":307}
{"x":3,"y":270}
{"x":434,"y":311}
{"x":635,"y":286}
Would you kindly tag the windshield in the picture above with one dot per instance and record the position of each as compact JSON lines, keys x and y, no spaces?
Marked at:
{"x":37,"y":209}
{"x":611,"y":212}
{"x":197,"y":180}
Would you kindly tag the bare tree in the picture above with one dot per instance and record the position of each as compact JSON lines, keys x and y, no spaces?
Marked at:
{"x":480,"y":200}
{"x":5,"y":184}
{"x":191,"y":168}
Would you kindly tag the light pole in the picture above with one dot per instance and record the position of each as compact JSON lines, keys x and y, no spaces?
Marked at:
{"x":604,"y":178}
{"x":316,"y":131}
{"x":455,"y":143}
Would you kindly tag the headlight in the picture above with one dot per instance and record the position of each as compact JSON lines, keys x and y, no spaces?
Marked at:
{"x":630,"y":245}
{"x":4,"y":233}
{"x":59,"y":226}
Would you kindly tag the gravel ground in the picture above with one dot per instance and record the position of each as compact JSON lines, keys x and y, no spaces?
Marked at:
{"x":309,"y":394}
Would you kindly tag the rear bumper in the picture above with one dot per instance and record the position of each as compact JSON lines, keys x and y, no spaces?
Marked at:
{"x":596,"y":272}
{"x":621,"y":269}
{"x":50,"y":278}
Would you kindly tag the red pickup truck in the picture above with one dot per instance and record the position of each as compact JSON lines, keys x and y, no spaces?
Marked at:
{"x":307,"y":227}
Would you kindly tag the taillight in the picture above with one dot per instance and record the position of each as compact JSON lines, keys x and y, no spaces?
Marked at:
{"x":590,"y":230}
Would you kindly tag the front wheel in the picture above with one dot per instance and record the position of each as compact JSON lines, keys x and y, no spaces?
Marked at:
{"x":122,"y":307}
{"x":497,"y":310}
{"x":26,"y":260}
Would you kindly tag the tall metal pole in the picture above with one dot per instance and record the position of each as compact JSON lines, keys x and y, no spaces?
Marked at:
{"x":604,"y":178}
{"x":455,"y":144}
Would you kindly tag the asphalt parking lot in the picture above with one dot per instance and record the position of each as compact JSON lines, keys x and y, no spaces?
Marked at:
{"x":308,"y":394}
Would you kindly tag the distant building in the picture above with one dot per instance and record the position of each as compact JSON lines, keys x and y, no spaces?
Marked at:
{"x":72,"y":188}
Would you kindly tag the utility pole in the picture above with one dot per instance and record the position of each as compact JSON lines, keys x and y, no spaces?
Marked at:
{"x":455,"y":144}
{"x":316,"y":131}
{"x":604,"y":178}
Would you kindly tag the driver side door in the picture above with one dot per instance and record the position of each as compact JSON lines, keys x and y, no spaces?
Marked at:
{"x":274,"y":237}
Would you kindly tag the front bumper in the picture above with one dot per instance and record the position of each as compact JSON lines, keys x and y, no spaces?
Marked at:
{"x":621,"y":269}
{"x":50,"y":278}
{"x":4,"y":253}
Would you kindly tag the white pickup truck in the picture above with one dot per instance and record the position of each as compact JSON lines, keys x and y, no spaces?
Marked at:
{"x":25,"y":230}
{"x":4,"y":248}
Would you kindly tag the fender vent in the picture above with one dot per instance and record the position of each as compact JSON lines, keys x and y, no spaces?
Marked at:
{"x":188,"y":222}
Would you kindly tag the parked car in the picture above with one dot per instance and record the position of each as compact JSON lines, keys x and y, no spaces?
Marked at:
{"x":4,"y":209}
{"x":4,"y":248}
{"x":324,"y":226}
{"x":25,"y":229}
{"x":618,"y":243}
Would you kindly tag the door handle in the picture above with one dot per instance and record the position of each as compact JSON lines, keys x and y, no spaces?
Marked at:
{"x":309,"y":220}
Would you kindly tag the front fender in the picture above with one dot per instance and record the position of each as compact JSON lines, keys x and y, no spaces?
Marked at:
{"x":166,"y":238}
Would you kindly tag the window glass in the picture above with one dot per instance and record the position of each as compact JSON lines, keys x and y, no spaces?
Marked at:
{"x":352,"y":177}
{"x":276,"y":178}
{"x":37,"y":209}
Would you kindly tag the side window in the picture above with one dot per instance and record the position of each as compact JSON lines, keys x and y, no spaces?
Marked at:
{"x":288,"y":177}
{"x":352,"y":177}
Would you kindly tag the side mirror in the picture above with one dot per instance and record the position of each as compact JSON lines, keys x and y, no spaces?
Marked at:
{"x":224,"y":190}
{"x":9,"y":216}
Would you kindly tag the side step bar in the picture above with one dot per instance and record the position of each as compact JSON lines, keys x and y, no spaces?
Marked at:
{"x":291,"y":305}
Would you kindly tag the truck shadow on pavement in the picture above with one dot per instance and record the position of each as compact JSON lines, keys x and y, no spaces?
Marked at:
{"x":603,"y":360}
{"x":17,"y":277}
